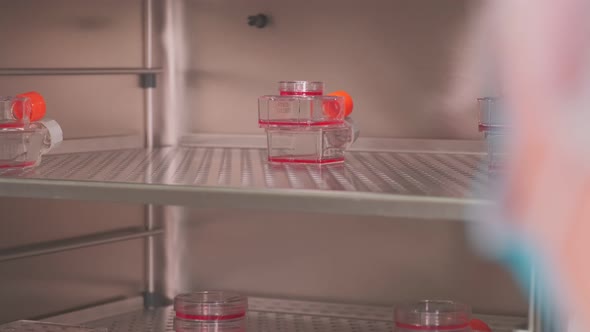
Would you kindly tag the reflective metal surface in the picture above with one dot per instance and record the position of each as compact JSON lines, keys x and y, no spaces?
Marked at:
{"x":405,"y":184}
{"x":54,"y":283}
{"x":273,"y":315}
{"x":77,"y":71}
{"x":173,"y":113}
{"x":54,"y":247}
{"x":414,"y":174}
{"x":70,"y":33}
{"x":89,"y":54}
{"x":86,"y":106}
{"x":396,"y":60}
{"x":333,"y":257}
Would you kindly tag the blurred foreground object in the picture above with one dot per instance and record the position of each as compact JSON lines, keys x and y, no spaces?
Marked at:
{"x":545,"y":72}
{"x":541,"y":51}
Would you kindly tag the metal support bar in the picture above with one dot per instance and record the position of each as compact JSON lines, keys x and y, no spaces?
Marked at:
{"x":543,"y":315}
{"x":53,"y":247}
{"x":77,"y":71}
{"x":149,"y":107}
{"x":534,"y":323}
{"x":148,"y":62}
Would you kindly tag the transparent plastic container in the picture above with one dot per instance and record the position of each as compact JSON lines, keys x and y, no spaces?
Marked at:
{"x":300,"y":111}
{"x":19,"y":111}
{"x":35,"y":326}
{"x":23,"y":147}
{"x":433,"y":316}
{"x":310,"y":145}
{"x":210,"y":311}
{"x":491,"y":114}
{"x":301,"y":88}
{"x":15,"y":112}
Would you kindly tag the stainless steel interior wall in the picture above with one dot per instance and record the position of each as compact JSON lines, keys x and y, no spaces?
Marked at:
{"x":43,"y":285}
{"x":77,"y":34}
{"x":86,"y":106}
{"x":72,"y":34}
{"x":333,"y":258}
{"x":396,"y":57}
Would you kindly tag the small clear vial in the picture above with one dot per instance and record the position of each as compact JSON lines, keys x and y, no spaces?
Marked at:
{"x":209,"y":311}
{"x":491,"y":114}
{"x":433,"y":316}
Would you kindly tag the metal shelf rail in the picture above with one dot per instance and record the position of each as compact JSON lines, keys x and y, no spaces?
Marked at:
{"x":77,"y":71}
{"x":264,"y":315}
{"x":379,"y":183}
{"x":53,"y":247}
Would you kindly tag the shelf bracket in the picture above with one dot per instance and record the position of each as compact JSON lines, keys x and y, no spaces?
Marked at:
{"x":147,"y":80}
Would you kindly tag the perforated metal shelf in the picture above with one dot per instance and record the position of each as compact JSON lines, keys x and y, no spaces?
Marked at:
{"x":385,"y":183}
{"x":272,"y":315}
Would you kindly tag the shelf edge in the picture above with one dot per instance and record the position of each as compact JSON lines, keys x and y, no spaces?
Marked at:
{"x":311,"y":201}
